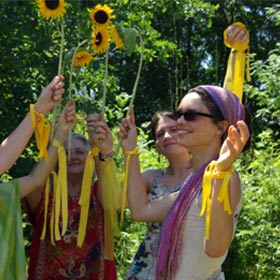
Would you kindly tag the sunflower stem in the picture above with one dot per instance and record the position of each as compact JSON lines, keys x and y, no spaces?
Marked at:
{"x":134,"y":91}
{"x":59,"y":73}
{"x":105,"y":81}
{"x":71,"y":85}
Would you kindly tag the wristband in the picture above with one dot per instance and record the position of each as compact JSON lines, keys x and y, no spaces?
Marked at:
{"x":104,"y":157}
{"x":133,"y":152}
{"x":223,"y":195}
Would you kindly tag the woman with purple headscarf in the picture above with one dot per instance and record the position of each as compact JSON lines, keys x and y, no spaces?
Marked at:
{"x":199,"y":226}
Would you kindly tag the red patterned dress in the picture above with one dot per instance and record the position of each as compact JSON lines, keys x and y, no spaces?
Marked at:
{"x":65,"y":260}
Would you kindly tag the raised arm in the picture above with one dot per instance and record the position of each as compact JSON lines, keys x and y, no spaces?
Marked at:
{"x":32,"y":184}
{"x":100,"y":136}
{"x":15,"y":143}
{"x":221,"y":227}
{"x":236,"y":37}
{"x":142,"y":209}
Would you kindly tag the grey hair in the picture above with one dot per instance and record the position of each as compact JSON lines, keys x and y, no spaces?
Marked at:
{"x":81,"y":138}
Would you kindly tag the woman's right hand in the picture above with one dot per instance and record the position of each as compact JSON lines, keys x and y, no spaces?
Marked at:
{"x":128,"y":132}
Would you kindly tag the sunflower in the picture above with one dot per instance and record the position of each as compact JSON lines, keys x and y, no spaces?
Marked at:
{"x":100,"y":40}
{"x":117,"y":37}
{"x":52,"y":8}
{"x":82,"y":58}
{"x":101,"y":15}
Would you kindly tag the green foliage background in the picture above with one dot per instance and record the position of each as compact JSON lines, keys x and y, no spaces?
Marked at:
{"x":183,"y":48}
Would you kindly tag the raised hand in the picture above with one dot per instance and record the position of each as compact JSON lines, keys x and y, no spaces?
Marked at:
{"x":99,"y":133}
{"x":66,"y":119}
{"x":50,"y":94}
{"x":128,"y":132}
{"x":233,"y":145}
{"x":237,"y":36}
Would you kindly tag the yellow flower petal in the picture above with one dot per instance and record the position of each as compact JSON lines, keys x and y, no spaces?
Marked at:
{"x":117,"y":38}
{"x":101,"y":15}
{"x":52,"y":8}
{"x":100,"y":40}
{"x":82,"y":58}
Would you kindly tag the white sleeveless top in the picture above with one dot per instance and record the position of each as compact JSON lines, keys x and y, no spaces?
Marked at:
{"x":196,"y":264}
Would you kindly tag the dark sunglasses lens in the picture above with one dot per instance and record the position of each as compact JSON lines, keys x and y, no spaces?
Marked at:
{"x":189,"y":116}
{"x":177,"y":115}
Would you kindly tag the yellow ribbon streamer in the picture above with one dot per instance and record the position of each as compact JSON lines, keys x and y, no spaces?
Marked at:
{"x":128,"y":154}
{"x":223,"y":196}
{"x":53,"y":208}
{"x":61,"y":191}
{"x":85,"y":195}
{"x":42,"y":131}
{"x":110,"y":193}
{"x":46,"y":203}
{"x":234,"y":79}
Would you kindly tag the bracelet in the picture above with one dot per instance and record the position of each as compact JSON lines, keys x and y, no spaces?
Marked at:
{"x":104,"y":157}
{"x":211,"y":172}
{"x":94,"y":152}
{"x":134,"y":152}
{"x":220,"y":174}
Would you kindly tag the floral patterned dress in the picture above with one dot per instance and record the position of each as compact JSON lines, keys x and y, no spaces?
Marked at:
{"x":144,"y":264}
{"x":65,"y":260}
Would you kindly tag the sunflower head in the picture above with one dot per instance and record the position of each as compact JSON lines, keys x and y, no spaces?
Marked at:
{"x":100,"y":40}
{"x":101,"y":15}
{"x":82,"y":58}
{"x":52,"y":8}
{"x":117,"y":37}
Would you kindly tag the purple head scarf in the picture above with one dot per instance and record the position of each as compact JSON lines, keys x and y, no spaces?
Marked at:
{"x":228,"y":103}
{"x":171,"y":237}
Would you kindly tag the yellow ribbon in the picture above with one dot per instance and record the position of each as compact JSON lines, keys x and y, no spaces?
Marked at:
{"x":85,"y":194}
{"x":52,"y":212}
{"x":110,"y":193}
{"x":223,"y":196}
{"x":61,"y":191}
{"x":42,"y":131}
{"x":234,"y":79}
{"x":128,"y":154}
{"x":46,"y":203}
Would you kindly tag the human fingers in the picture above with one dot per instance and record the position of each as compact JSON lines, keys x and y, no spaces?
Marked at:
{"x":132,"y":116}
{"x":244,"y":132}
{"x":58,"y":91}
{"x":99,"y":129}
{"x":91,"y":121}
{"x":239,"y":136}
{"x":70,"y":112}
{"x":240,"y":35}
{"x":100,"y":116}
{"x":55,"y":81}
{"x":123,"y":129}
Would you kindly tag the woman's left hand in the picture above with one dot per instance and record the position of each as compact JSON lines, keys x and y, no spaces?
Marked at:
{"x":99,"y":133}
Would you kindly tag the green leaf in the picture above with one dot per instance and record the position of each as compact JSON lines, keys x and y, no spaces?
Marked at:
{"x":129,"y":36}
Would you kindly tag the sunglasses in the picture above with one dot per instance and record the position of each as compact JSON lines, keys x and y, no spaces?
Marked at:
{"x":191,"y":115}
